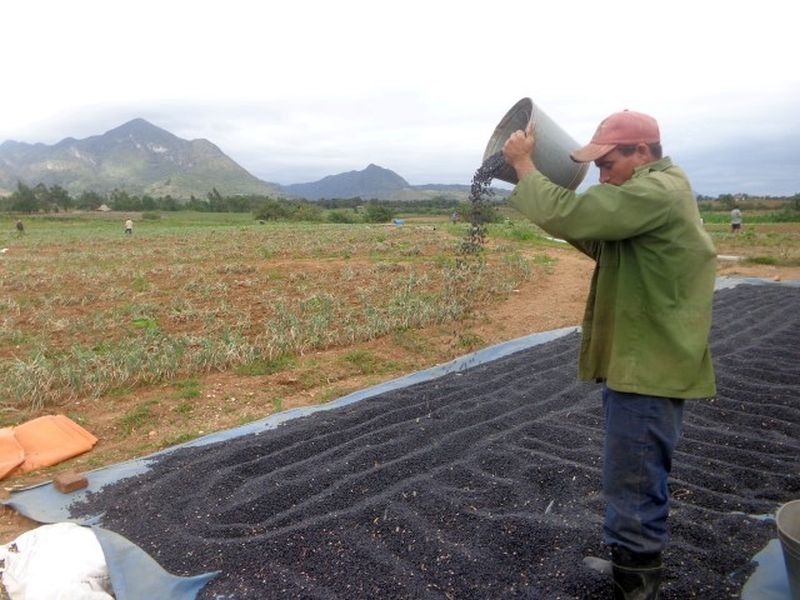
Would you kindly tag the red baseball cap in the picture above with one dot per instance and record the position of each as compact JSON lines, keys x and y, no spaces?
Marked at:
{"x":621,"y":128}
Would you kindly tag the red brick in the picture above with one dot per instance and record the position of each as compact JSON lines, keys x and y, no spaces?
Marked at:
{"x":70,"y":481}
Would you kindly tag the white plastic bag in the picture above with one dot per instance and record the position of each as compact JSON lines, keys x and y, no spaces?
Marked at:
{"x":62,"y":561}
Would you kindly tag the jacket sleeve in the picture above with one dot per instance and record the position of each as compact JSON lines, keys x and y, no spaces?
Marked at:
{"x":604,"y":212}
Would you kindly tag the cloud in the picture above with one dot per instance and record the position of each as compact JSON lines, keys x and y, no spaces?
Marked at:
{"x":296,"y":91}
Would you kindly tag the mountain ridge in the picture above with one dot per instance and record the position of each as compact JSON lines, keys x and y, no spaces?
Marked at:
{"x":141,"y":158}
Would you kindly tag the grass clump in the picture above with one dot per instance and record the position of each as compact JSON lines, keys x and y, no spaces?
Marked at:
{"x":184,"y":408}
{"x":412,"y":341}
{"x":470,"y":341}
{"x":262,"y":366}
{"x":138,"y":417}
{"x":189,"y":388}
{"x":180,"y":438}
{"x":763,"y":260}
{"x":363,"y":360}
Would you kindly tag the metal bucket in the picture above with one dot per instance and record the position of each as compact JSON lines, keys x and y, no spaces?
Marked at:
{"x":788,"y":522}
{"x":551,"y":153}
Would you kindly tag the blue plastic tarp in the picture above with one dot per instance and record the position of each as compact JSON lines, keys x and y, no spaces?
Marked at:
{"x":134,"y":574}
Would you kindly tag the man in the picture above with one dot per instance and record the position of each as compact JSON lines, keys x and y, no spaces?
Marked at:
{"x":129,"y":227}
{"x":736,"y":220}
{"x":646,"y":324}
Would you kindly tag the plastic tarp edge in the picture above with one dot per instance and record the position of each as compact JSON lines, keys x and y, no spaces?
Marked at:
{"x":135,"y":574}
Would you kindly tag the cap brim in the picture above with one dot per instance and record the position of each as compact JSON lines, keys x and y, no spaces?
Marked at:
{"x":591,"y":152}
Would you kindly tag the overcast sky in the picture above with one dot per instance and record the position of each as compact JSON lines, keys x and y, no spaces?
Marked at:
{"x":297,"y":90}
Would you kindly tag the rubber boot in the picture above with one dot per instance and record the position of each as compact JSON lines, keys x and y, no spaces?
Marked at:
{"x":636,"y":576}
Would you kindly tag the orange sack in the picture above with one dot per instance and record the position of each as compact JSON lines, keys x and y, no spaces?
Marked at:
{"x":11,"y":453}
{"x":44,"y":441}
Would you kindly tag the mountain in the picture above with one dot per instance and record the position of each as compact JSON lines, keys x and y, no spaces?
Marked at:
{"x":140,"y":158}
{"x":136,"y":157}
{"x":374,"y":182}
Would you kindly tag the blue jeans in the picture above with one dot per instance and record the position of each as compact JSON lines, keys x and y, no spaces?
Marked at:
{"x":641,"y":435}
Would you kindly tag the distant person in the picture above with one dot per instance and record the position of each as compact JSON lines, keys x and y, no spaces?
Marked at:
{"x":736,"y":220}
{"x":129,"y":227}
{"x":20,"y":228}
{"x":454,"y":217}
{"x":647,"y":320}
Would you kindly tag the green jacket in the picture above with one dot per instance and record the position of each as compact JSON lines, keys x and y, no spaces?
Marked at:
{"x":648,"y":314}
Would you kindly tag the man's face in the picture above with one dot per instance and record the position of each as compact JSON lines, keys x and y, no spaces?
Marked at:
{"x":616,"y":168}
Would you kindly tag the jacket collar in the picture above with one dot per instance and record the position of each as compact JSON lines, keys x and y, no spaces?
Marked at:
{"x":661,"y":164}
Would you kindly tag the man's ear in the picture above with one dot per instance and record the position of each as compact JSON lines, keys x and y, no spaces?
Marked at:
{"x":644,"y":153}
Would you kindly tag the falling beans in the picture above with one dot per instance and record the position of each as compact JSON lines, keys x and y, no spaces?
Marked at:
{"x":480,"y":195}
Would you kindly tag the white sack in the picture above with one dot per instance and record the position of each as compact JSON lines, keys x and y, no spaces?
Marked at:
{"x":62,"y":561}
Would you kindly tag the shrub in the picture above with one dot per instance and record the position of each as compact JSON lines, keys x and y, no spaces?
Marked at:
{"x":271,"y":210}
{"x":376,"y":213}
{"x":341,"y":216}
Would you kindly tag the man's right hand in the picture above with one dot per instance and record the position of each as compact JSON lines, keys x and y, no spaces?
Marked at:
{"x":518,"y":149}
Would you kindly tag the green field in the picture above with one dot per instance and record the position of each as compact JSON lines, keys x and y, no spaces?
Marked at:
{"x":89,"y":311}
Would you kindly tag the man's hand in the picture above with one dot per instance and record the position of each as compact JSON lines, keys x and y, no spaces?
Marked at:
{"x":518,"y":149}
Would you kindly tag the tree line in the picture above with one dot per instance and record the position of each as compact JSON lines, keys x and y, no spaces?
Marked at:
{"x":52,"y":199}
{"x":49,"y":199}
{"x":746,"y":201}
